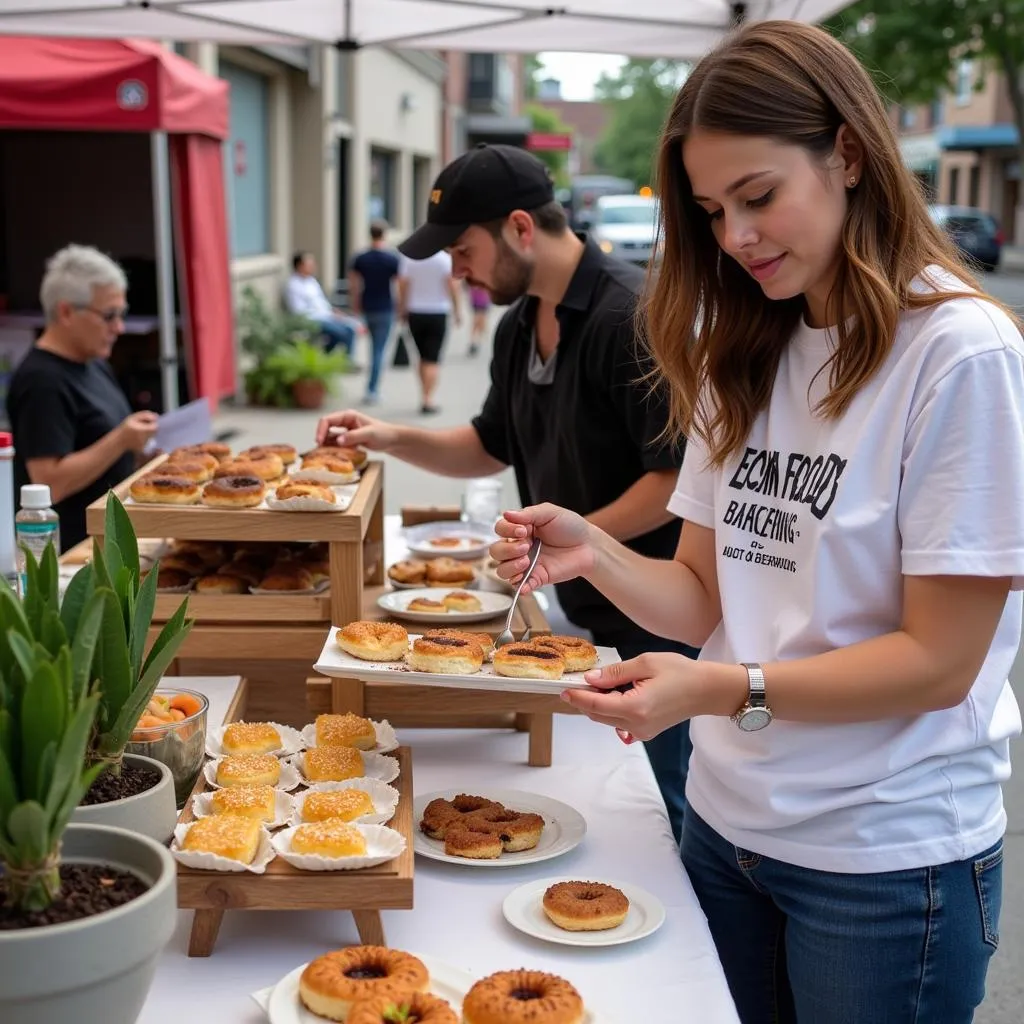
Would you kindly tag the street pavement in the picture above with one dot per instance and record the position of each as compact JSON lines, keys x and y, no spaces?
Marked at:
{"x":464,"y":382}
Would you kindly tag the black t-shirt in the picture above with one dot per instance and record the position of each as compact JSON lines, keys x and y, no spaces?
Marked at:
{"x":582,"y":440}
{"x":378,"y":268}
{"x":55,"y":407}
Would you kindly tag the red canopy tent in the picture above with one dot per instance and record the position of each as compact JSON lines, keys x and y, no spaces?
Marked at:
{"x":100,"y":85}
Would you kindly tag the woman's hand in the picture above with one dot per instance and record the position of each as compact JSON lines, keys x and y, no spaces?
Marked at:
{"x":567,"y":550}
{"x":666,"y":689}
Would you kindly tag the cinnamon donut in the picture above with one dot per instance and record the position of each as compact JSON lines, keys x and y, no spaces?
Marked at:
{"x":285,"y":452}
{"x":208,"y":462}
{"x":522,"y":997}
{"x":333,"y":983}
{"x":447,"y":571}
{"x":485,"y":640}
{"x":297,"y":489}
{"x":421,"y":1008}
{"x":528,"y":661}
{"x":517,"y":830}
{"x":267,"y":467}
{"x":466,"y":839}
{"x":164,"y":489}
{"x":439,"y":814}
{"x":580,"y":655}
{"x":234,"y":492}
{"x":219,"y":451}
{"x":374,"y":641}
{"x":446,"y":655}
{"x":408,"y":571}
{"x":585,"y":906}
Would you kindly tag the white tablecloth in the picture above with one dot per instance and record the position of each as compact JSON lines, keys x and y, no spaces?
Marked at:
{"x":457,"y":915}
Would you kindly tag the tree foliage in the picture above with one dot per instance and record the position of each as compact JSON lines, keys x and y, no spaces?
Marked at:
{"x":639,"y":97}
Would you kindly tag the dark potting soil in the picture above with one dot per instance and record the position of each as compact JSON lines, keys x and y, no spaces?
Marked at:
{"x":86,"y":889}
{"x":134,"y":779}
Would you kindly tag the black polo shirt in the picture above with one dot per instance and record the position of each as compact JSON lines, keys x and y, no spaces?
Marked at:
{"x":584,"y":439}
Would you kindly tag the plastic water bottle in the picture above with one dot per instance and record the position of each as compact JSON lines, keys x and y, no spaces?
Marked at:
{"x":35,"y":526}
{"x":8,"y":566}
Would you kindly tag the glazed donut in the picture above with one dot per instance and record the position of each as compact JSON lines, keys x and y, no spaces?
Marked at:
{"x":446,"y":655}
{"x":291,"y":578}
{"x":528,"y":661}
{"x":408,"y":571}
{"x":234,"y":492}
{"x":469,"y":840}
{"x":285,"y":452}
{"x":164,"y":489}
{"x":421,"y":1007}
{"x":424,"y":604}
{"x":522,"y":997}
{"x":439,"y":814}
{"x":218,"y":583}
{"x":266,"y":467}
{"x":331,"y":984}
{"x":585,"y":906}
{"x":208,"y":462}
{"x":517,"y":830}
{"x":297,"y":489}
{"x":219,"y":451}
{"x":580,"y":655}
{"x":449,"y":570}
{"x":460,"y":601}
{"x":374,"y":641}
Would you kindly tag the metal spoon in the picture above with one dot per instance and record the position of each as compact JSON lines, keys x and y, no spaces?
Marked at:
{"x":505,"y":636}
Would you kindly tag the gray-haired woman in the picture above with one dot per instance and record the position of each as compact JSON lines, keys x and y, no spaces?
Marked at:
{"x":73,"y":427}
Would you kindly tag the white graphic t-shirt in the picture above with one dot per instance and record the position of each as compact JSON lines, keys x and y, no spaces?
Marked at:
{"x":815,"y":522}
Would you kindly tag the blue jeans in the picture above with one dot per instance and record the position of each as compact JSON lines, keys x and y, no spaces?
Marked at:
{"x":379,"y":326}
{"x":820,"y":947}
{"x":337,"y":333}
{"x":669,"y":751}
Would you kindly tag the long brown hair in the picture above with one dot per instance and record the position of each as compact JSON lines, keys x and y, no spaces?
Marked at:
{"x":706,"y":322}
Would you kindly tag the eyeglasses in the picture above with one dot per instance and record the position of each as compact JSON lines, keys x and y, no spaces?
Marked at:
{"x":108,"y":316}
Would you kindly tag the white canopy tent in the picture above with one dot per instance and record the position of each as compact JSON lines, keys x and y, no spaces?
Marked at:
{"x":681,"y":29}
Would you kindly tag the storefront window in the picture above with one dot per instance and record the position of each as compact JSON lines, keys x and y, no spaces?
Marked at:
{"x":382,"y":186}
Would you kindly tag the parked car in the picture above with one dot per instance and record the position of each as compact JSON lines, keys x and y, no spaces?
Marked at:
{"x":976,"y":233}
{"x":626,"y":226}
{"x":584,"y":191}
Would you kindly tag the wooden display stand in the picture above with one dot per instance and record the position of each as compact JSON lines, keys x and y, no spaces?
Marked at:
{"x":273,"y":640}
{"x":365,"y":892}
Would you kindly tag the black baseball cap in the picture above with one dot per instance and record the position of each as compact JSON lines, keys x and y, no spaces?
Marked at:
{"x":485,"y":184}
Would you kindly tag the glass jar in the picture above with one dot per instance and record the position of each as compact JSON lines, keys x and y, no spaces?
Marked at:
{"x":481,"y":501}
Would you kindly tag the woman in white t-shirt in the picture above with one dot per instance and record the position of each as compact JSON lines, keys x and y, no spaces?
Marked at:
{"x":853,"y":553}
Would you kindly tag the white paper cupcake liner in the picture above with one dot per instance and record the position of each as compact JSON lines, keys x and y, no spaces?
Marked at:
{"x":291,"y":741}
{"x":305,"y":505}
{"x":323,"y":476}
{"x":265,"y":853}
{"x":387,"y":740}
{"x":187,"y":588}
{"x":306,"y":592}
{"x":382,"y":844}
{"x":284,"y":808}
{"x":289,"y":780}
{"x":384,"y":797}
{"x":375,"y":766}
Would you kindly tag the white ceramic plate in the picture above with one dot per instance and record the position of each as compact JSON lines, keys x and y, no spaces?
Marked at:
{"x":446,"y":982}
{"x":473,"y":539}
{"x":333,"y":661}
{"x":564,"y":827}
{"x":387,"y":740}
{"x":523,"y":909}
{"x":397,"y":604}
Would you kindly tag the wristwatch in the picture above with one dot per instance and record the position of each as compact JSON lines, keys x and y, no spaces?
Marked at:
{"x":755,"y":714}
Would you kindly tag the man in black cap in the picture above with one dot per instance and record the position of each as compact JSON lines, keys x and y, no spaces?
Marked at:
{"x":567,"y":407}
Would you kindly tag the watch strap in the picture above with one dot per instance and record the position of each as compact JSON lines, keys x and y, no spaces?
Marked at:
{"x":755,"y":683}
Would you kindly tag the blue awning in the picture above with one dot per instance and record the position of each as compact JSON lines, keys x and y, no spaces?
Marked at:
{"x":969,"y":136}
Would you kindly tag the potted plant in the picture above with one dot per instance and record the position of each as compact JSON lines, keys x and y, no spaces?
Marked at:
{"x":84,"y":910}
{"x":129,"y":790}
{"x":307,"y":370}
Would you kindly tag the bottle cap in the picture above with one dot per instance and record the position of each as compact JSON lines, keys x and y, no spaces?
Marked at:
{"x":6,"y":439}
{"x":35,"y":496}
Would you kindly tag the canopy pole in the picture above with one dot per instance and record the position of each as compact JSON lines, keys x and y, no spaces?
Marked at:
{"x":164,"y":269}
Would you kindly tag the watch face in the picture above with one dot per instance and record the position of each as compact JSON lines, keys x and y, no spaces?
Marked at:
{"x":753,"y":719}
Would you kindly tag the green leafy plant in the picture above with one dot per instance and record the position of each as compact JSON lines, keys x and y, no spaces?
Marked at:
{"x":127,"y":676}
{"x":262,"y":331}
{"x":48,"y":702}
{"x":304,"y":360}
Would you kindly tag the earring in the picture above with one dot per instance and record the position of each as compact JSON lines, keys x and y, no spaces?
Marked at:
{"x":853,"y":181}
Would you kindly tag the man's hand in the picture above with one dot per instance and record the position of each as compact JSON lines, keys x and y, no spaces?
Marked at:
{"x":352,"y":429}
{"x":137,"y":429}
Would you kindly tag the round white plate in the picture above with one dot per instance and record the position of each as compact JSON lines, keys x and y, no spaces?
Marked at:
{"x":474,"y":539}
{"x":564,"y":827}
{"x":447,"y":982}
{"x":396,"y":604}
{"x":523,"y":909}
